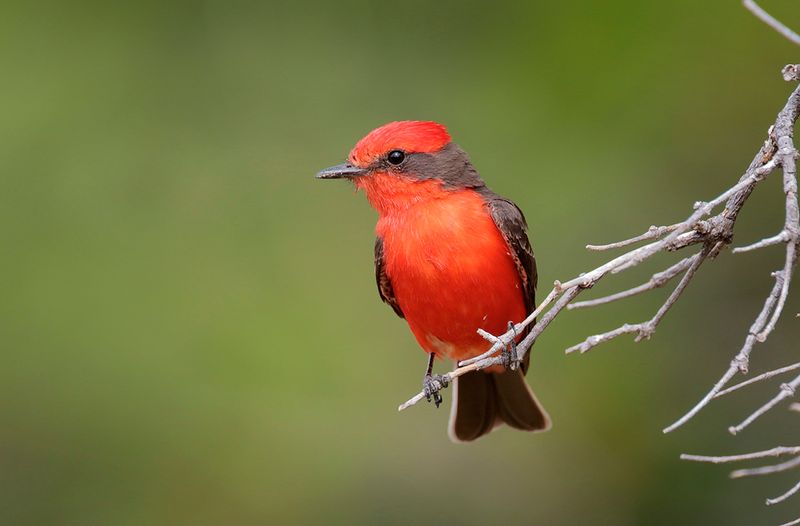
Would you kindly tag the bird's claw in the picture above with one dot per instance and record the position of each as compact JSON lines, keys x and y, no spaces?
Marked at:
{"x":432,"y":384}
{"x":509,"y":353}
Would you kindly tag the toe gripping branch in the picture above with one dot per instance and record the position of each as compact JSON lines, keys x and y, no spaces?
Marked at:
{"x":509,"y":353}
{"x":432,"y":384}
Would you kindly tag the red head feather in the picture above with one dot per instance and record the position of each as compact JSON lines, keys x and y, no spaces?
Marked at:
{"x":409,"y":136}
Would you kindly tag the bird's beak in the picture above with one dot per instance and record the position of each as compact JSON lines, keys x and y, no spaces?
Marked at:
{"x":341,"y":171}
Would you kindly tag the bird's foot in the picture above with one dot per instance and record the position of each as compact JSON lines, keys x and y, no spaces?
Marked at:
{"x":432,"y":384}
{"x":509,"y":352}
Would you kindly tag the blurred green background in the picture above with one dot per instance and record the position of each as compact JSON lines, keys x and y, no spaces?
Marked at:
{"x":189,"y":323}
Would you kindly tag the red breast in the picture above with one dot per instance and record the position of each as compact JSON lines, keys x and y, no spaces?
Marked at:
{"x":451,"y":256}
{"x":449,"y":265}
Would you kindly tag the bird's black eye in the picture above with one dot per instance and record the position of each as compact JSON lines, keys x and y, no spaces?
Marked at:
{"x":396,"y":157}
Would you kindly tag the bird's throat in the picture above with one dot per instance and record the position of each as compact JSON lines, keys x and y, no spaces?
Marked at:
{"x":394,"y":194}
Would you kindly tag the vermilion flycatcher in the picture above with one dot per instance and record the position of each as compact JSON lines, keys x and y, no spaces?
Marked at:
{"x":451,"y":256}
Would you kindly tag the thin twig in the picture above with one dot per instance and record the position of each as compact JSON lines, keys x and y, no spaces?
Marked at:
{"x":782,"y":237}
{"x":678,"y":238}
{"x":786,"y":391}
{"x":779,"y":147}
{"x":778,"y":451}
{"x":771,"y":21}
{"x":785,"y":496}
{"x":658,"y":280}
{"x":716,"y":232}
{"x":646,"y":329}
{"x":759,"y":378}
{"x":501,"y":341}
{"x":740,"y":362}
{"x":654,"y":232}
{"x":452,"y":375}
{"x":766,"y":470}
{"x":522,"y":347}
{"x":791,"y":227}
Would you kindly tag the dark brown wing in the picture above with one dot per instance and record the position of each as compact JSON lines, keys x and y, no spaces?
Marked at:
{"x":385,"y":289}
{"x":511,"y":223}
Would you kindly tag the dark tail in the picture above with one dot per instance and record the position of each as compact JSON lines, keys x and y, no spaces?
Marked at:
{"x":483,"y":401}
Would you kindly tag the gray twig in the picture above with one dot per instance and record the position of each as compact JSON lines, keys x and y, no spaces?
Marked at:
{"x":658,"y":280}
{"x":778,"y":451}
{"x":714,"y":233}
{"x":740,"y":362}
{"x":759,"y":378}
{"x":654,"y":232}
{"x":779,"y":147}
{"x":763,"y":470}
{"x":771,"y":21}
{"x":785,"y":496}
{"x":766,"y":470}
{"x":767,"y":242}
{"x":787,"y":390}
{"x":646,"y":329}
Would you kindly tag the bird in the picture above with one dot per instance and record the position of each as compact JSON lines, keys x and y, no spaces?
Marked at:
{"x":451,"y":256}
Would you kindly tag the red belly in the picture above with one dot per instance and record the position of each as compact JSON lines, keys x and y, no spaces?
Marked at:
{"x":452,"y":273}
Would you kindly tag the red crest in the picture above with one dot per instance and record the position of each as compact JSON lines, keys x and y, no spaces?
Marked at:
{"x":409,"y":136}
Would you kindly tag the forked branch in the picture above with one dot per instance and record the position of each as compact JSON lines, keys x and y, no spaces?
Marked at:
{"x":713,"y":233}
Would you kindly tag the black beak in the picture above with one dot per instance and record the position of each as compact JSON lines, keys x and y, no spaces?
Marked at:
{"x":341,"y":171}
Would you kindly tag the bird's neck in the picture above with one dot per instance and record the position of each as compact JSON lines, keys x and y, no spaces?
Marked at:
{"x":393,"y":195}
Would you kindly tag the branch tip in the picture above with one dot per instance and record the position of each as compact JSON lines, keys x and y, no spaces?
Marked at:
{"x":771,"y":21}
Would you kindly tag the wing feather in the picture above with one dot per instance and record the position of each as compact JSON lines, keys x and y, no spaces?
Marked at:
{"x":385,"y":289}
{"x":511,"y":223}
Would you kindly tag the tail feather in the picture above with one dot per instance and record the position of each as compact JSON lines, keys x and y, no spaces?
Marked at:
{"x":473,"y":412}
{"x":517,"y":406}
{"x":482,"y":401}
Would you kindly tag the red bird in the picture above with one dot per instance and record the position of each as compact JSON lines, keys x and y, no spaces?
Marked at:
{"x":451,"y":256}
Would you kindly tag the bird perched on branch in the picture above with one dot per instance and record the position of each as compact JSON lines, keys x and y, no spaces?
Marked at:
{"x":451,"y":256}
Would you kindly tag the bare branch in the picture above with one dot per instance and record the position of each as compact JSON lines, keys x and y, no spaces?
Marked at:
{"x":646,"y":329}
{"x":505,"y":339}
{"x":791,"y":228}
{"x":522,"y":347}
{"x":740,"y":362}
{"x":771,"y":21}
{"x":681,"y":236}
{"x":782,"y":237}
{"x":715,"y":232}
{"x":763,"y":470}
{"x":759,"y":378}
{"x":785,"y":496}
{"x":778,"y":451}
{"x":766,"y":470}
{"x":787,"y":390}
{"x":658,"y":280}
{"x":778,"y":150}
{"x":654,"y":232}
{"x":784,"y":153}
{"x":452,"y":375}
